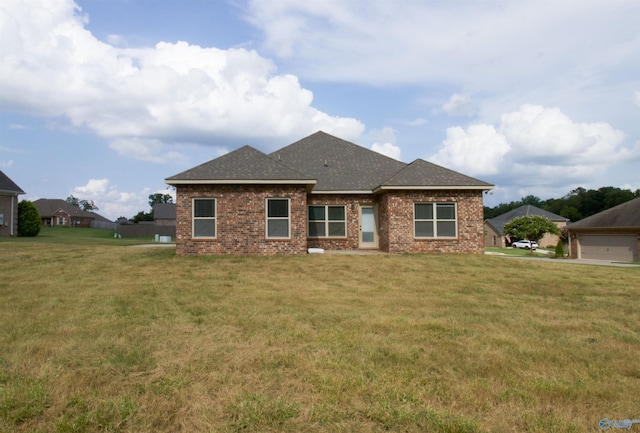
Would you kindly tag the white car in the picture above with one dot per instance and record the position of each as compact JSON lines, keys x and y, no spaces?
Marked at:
{"x":527,"y":245}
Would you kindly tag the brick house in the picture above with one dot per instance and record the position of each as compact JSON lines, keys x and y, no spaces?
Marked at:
{"x":60,"y":213}
{"x":325,"y":192}
{"x":494,"y":235}
{"x":9,"y":193}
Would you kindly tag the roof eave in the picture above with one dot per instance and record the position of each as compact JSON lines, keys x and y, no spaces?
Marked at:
{"x":604,"y":228}
{"x":433,"y":187}
{"x":239,"y":182}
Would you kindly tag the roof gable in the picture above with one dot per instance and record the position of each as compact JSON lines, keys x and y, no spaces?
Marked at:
{"x":499,"y":222}
{"x":421,"y":174}
{"x":244,"y":165}
{"x":625,"y":215}
{"x":337,"y":164}
{"x":7,"y":185}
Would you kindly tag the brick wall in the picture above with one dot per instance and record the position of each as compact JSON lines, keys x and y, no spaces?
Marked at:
{"x":352,"y":204}
{"x":241,"y":220}
{"x":9,"y":204}
{"x":398,"y":227}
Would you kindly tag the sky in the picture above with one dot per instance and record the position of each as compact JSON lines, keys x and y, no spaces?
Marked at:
{"x":104,"y":99}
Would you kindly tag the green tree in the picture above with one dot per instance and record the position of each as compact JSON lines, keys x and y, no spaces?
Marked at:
{"x":159,"y":198}
{"x":82,"y":204}
{"x":28,"y":219}
{"x":531,"y":227}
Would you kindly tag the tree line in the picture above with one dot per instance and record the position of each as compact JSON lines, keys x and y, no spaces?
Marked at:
{"x":576,"y":205}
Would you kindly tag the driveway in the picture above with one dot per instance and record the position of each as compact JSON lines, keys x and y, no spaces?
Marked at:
{"x":571,"y":261}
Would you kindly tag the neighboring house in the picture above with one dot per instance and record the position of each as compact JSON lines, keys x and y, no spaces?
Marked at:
{"x":613,"y":234}
{"x":327,"y":193}
{"x":9,"y":193}
{"x":60,"y":213}
{"x":164,"y":214}
{"x":494,"y":235}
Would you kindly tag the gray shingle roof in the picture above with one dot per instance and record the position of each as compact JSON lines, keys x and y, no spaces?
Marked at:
{"x":625,"y":215}
{"x":421,"y":173}
{"x":164,"y":211}
{"x":333,"y":164}
{"x":243,"y":165}
{"x":337,"y":164}
{"x":499,"y":222}
{"x":47,"y":207}
{"x":7,"y":185}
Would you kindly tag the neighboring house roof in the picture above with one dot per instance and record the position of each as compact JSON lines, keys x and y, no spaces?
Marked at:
{"x":330,"y":164}
{"x":499,"y":222}
{"x":164,"y":211}
{"x":7,"y":185}
{"x":48,"y":207}
{"x":245,"y":165}
{"x":625,"y":215}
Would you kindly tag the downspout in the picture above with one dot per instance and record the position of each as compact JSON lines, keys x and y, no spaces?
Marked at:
{"x":12,"y":214}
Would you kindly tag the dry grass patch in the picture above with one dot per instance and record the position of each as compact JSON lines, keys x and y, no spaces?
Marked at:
{"x":104,"y":338}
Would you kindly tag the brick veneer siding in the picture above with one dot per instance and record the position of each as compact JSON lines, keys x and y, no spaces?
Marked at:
{"x":352,"y":203}
{"x":241,"y":220}
{"x":398,"y":225}
{"x":9,"y":211}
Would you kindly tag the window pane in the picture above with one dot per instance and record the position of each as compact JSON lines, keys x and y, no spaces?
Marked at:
{"x":278,"y":228}
{"x":424,"y":229}
{"x":204,"y":228}
{"x":278,"y":208}
{"x":424,"y":211}
{"x":336,"y":229}
{"x":204,"y":208}
{"x":336,"y":213}
{"x":446,"y":229}
{"x":446,"y":211}
{"x":316,"y":213}
{"x":316,"y":230}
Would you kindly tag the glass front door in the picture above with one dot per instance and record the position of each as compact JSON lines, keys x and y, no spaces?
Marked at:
{"x":368,"y":227}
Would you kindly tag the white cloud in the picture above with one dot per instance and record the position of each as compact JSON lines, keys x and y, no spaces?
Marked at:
{"x":5,"y":164}
{"x":637,"y":98}
{"x":535,"y":145}
{"x":488,"y":46}
{"x":458,"y":105}
{"x":384,"y":140}
{"x":52,"y":66}
{"x":146,"y":149}
{"x":387,"y":149}
{"x":113,"y":203}
{"x":478,"y":150}
{"x":416,"y":122}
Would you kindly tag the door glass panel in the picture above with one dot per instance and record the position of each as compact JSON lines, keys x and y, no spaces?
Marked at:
{"x":368,"y":225}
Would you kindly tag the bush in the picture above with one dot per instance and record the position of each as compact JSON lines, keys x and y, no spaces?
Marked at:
{"x":559,"y":249}
{"x":28,"y":219}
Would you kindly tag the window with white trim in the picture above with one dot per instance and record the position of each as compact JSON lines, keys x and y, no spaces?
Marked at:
{"x":327,"y":221}
{"x":204,"y":218}
{"x":278,"y":220}
{"x":435,"y":220}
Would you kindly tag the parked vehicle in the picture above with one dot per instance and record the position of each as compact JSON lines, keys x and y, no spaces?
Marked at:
{"x":527,"y":245}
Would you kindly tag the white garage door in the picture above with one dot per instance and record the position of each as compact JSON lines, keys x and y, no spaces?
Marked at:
{"x":621,"y":248}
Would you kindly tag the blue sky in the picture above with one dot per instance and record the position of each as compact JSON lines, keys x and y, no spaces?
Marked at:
{"x":104,"y":99}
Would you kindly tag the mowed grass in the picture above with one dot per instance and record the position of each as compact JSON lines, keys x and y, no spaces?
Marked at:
{"x":125,"y":339}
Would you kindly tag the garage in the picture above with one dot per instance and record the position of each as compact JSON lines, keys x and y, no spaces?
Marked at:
{"x":608,"y":247}
{"x":613,"y":234}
